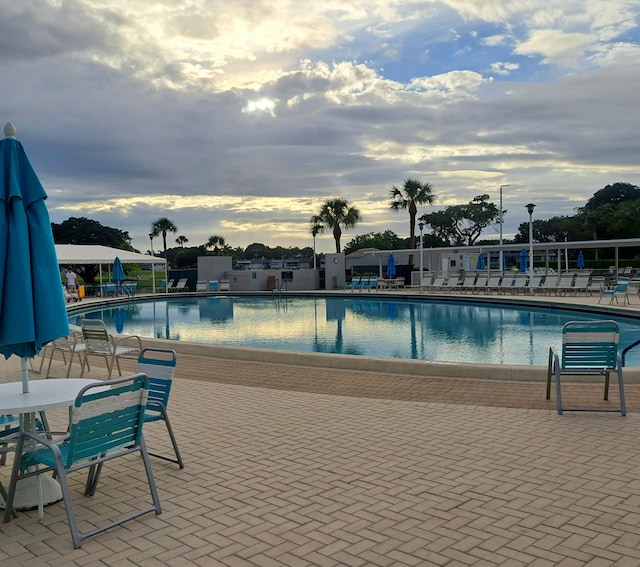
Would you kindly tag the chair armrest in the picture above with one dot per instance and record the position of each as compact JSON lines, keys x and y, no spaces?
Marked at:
{"x":554,"y":363}
{"x":124,"y":339}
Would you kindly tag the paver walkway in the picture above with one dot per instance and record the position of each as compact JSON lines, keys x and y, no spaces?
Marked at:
{"x":289,"y":466}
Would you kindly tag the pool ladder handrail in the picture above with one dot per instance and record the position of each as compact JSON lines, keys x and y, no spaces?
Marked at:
{"x":279,"y":284}
{"x":627,"y":349}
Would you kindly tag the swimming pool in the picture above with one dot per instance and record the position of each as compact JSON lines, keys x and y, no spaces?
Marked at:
{"x":435,"y":331}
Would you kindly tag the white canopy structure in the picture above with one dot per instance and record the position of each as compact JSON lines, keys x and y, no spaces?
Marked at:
{"x":95,"y":254}
{"x":73,"y":254}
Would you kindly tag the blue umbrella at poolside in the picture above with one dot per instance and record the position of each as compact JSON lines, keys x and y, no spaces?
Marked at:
{"x":481,"y":265}
{"x":33,"y":311}
{"x":580,"y":260}
{"x":118,"y":275}
{"x":524,"y":260}
{"x":391,"y":266}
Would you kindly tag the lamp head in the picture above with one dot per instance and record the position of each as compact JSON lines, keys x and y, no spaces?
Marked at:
{"x":420,"y":226}
{"x":530,"y":208}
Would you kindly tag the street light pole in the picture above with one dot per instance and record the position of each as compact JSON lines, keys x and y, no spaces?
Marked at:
{"x":530,"y":208}
{"x":153,"y":267}
{"x":566,"y":253}
{"x":421,"y":226}
{"x":501,"y":221}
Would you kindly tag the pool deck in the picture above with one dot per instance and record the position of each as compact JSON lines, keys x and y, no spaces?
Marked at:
{"x":294,"y":465}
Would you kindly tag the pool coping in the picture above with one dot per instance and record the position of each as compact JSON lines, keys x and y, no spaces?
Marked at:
{"x":462,"y":370}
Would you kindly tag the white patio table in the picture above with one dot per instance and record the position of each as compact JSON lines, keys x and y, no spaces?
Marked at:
{"x":44,"y":395}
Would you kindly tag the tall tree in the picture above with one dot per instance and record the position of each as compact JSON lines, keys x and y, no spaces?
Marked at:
{"x":181,"y":241}
{"x":333,"y":213}
{"x":163,"y":226}
{"x":409,"y":196}
{"x":217,"y":243}
{"x":82,"y":230}
{"x":462,"y":225}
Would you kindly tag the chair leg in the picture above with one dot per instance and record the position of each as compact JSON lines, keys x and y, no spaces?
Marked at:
{"x":607,"y":378}
{"x":178,"y":458}
{"x":150,"y":480}
{"x":623,"y":403}
{"x":53,"y":350}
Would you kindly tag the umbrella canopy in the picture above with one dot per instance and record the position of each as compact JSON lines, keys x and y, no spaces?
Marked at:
{"x":33,"y":311}
{"x":118,"y":271}
{"x":524,"y":260}
{"x":580,"y":260}
{"x":481,"y":265}
{"x":391,"y":266}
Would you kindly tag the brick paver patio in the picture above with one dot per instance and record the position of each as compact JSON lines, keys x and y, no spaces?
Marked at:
{"x":298,"y":466}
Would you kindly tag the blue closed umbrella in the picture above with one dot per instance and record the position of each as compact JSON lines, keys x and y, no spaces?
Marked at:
{"x":580,"y":260}
{"x":391,"y":266}
{"x":118,"y":271}
{"x":33,"y":311}
{"x":524,"y":257}
{"x":481,"y":265}
{"x":118,"y":275}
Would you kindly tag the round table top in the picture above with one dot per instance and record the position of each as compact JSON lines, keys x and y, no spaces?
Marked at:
{"x":43,"y":394}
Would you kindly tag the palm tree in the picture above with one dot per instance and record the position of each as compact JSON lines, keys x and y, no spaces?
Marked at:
{"x":162,"y":226}
{"x":181,"y":241}
{"x":409,"y":196}
{"x":215,"y":241}
{"x":333,"y":213}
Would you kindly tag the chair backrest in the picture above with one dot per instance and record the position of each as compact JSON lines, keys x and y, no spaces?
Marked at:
{"x":95,"y":335}
{"x":106,"y":417}
{"x":590,"y":344}
{"x":159,"y":365}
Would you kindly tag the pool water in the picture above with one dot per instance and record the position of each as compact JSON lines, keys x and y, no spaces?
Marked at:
{"x":436,"y":331}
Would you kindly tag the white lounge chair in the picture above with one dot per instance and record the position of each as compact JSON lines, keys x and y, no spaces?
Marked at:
{"x":225,"y":285}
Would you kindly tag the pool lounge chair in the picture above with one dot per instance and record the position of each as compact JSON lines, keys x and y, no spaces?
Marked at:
{"x":225,"y":285}
{"x":534,"y":284}
{"x":589,"y":348}
{"x":520,"y":284}
{"x":201,"y":286}
{"x":549,"y":285}
{"x":468,"y":284}
{"x":581,"y":284}
{"x":493,"y":284}
{"x":371,"y":284}
{"x":214,"y":285}
{"x":180,"y":286}
{"x":355,"y":281}
{"x":506,"y":283}
{"x":480,"y":284}
{"x":437,"y":285}
{"x":565,"y":285}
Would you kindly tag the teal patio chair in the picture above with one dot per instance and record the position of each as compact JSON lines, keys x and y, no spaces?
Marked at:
{"x":589,"y":348}
{"x":214,"y":285}
{"x":619,"y":291}
{"x":106,"y":423}
{"x":159,"y":365}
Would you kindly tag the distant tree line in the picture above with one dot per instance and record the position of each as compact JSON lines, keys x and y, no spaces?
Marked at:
{"x":612,"y":212}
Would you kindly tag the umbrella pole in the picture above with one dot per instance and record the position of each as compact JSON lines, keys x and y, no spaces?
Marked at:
{"x":25,"y":375}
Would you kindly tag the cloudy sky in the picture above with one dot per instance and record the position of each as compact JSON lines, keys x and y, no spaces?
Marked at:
{"x":238,"y":118}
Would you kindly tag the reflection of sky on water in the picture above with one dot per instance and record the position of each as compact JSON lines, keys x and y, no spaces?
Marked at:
{"x":434,"y":331}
